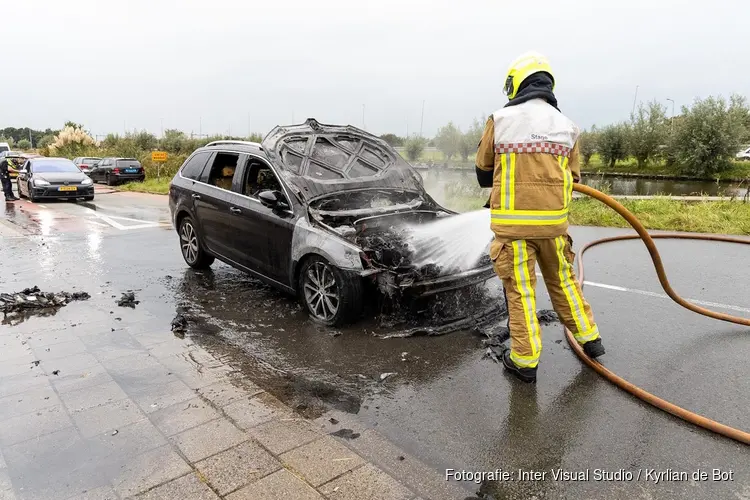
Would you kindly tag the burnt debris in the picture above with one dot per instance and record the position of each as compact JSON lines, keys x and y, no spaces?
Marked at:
{"x":33,"y":298}
{"x":128,"y":300}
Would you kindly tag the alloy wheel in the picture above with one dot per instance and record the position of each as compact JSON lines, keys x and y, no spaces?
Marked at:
{"x":321,"y":291}
{"x":189,"y":242}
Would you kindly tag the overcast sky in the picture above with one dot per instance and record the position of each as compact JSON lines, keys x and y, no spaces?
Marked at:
{"x":221,"y":65}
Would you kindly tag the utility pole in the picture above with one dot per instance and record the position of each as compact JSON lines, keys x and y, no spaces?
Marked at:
{"x":634,"y":99}
{"x":421,"y":121}
{"x":162,"y":128}
{"x":671,"y":120}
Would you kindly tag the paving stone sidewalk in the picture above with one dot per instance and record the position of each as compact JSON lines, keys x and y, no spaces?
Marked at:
{"x":91,"y":413}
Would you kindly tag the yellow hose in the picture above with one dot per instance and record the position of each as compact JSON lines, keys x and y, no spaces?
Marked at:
{"x":648,"y":240}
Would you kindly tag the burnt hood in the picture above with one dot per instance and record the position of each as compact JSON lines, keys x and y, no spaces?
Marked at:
{"x":318,"y":159}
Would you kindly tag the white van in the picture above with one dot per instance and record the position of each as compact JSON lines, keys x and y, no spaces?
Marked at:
{"x":4,"y":146}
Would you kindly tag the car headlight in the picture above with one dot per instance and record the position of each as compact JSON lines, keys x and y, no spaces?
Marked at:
{"x":87,"y":181}
{"x":40,"y":182}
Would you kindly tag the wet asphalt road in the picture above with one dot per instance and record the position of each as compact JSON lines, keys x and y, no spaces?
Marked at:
{"x":446,"y":404}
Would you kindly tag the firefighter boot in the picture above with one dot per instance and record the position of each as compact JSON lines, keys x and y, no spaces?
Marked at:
{"x":593,"y":348}
{"x":525,"y":374}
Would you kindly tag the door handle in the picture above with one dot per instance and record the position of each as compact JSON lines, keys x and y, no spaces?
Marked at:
{"x":196,"y":196}
{"x":235,"y":210}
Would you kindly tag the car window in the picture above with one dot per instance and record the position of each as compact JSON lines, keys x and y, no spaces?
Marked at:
{"x":259,"y":178}
{"x":194,"y":166}
{"x":222,"y":170}
{"x":128,"y":164}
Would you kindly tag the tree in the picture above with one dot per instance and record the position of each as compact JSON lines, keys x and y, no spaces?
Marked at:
{"x":470,"y":140}
{"x":588,"y":143}
{"x":612,"y":143}
{"x":448,"y":140}
{"x":647,"y":132}
{"x":414,"y":147}
{"x":393,"y":140}
{"x":143,"y":140}
{"x":709,"y":134}
{"x":45,"y":141}
{"x":24,"y":144}
{"x":173,"y":141}
{"x":73,"y":124}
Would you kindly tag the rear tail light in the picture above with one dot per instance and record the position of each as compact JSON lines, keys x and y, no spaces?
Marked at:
{"x":116,"y":170}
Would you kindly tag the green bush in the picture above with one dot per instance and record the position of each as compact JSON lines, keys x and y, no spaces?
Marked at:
{"x":24,"y":144}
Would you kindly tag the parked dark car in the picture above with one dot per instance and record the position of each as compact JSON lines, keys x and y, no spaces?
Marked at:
{"x":114,"y":171}
{"x":53,"y":178}
{"x":86,"y":163}
{"x":301,"y":210}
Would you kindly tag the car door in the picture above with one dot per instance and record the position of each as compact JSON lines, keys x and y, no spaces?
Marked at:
{"x":23,"y":178}
{"x":96,"y":173}
{"x":211,"y":204}
{"x":262,"y":235}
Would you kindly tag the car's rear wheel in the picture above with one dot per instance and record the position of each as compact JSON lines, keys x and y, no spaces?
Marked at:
{"x":190,"y":245}
{"x":330,"y":297}
{"x":110,"y":182}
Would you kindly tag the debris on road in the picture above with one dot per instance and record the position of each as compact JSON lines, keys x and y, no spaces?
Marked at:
{"x":128,"y":300}
{"x":56,"y":372}
{"x":384,"y":376}
{"x":346,"y":434}
{"x":114,"y":432}
{"x":333,"y":421}
{"x":546,"y":316}
{"x":33,"y":298}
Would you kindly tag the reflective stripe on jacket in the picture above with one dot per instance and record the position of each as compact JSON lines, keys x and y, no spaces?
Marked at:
{"x":532,"y":152}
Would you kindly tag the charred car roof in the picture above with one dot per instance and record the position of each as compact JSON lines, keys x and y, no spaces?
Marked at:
{"x":318,"y":159}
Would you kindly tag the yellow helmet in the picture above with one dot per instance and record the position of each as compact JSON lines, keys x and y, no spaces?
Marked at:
{"x":523,"y":67}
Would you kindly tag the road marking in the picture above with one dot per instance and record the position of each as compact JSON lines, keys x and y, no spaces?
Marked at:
{"x":657,"y":295}
{"x":144,"y":224}
{"x":665,"y":296}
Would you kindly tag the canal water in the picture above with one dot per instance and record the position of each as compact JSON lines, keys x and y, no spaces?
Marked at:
{"x":613,"y":185}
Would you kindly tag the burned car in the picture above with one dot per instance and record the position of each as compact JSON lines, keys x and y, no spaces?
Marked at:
{"x":314,"y":210}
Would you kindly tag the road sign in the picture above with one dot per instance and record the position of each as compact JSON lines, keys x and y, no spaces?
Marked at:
{"x":158,"y":156}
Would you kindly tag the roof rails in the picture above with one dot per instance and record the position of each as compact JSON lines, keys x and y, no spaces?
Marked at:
{"x":246,"y":143}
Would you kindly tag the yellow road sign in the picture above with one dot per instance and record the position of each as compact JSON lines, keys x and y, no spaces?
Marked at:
{"x":158,"y":156}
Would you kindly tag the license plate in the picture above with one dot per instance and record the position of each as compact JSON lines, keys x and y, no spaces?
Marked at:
{"x":131,"y":170}
{"x":67,"y":188}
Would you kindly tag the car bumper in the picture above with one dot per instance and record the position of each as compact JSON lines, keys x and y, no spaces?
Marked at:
{"x":54,"y":192}
{"x":391,"y":282}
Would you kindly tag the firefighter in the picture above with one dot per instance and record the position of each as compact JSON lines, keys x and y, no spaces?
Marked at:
{"x":529,"y":155}
{"x":5,"y":180}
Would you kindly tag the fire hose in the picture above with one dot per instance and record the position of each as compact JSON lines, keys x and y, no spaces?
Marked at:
{"x":648,"y":240}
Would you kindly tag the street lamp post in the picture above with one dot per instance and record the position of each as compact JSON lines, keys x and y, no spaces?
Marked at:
{"x":671,"y":120}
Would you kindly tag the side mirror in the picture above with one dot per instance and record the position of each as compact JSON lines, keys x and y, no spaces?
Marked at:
{"x":272,"y":199}
{"x":268,"y":198}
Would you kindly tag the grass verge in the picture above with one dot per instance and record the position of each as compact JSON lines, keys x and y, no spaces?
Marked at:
{"x":719,"y":217}
{"x":154,"y":186}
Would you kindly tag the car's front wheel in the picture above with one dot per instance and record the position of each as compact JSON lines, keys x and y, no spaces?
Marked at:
{"x":30,"y":191}
{"x":190,"y":245}
{"x":20,"y":193}
{"x":330,"y":297}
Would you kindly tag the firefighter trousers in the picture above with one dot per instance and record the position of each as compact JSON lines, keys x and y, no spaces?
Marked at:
{"x":515,"y":263}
